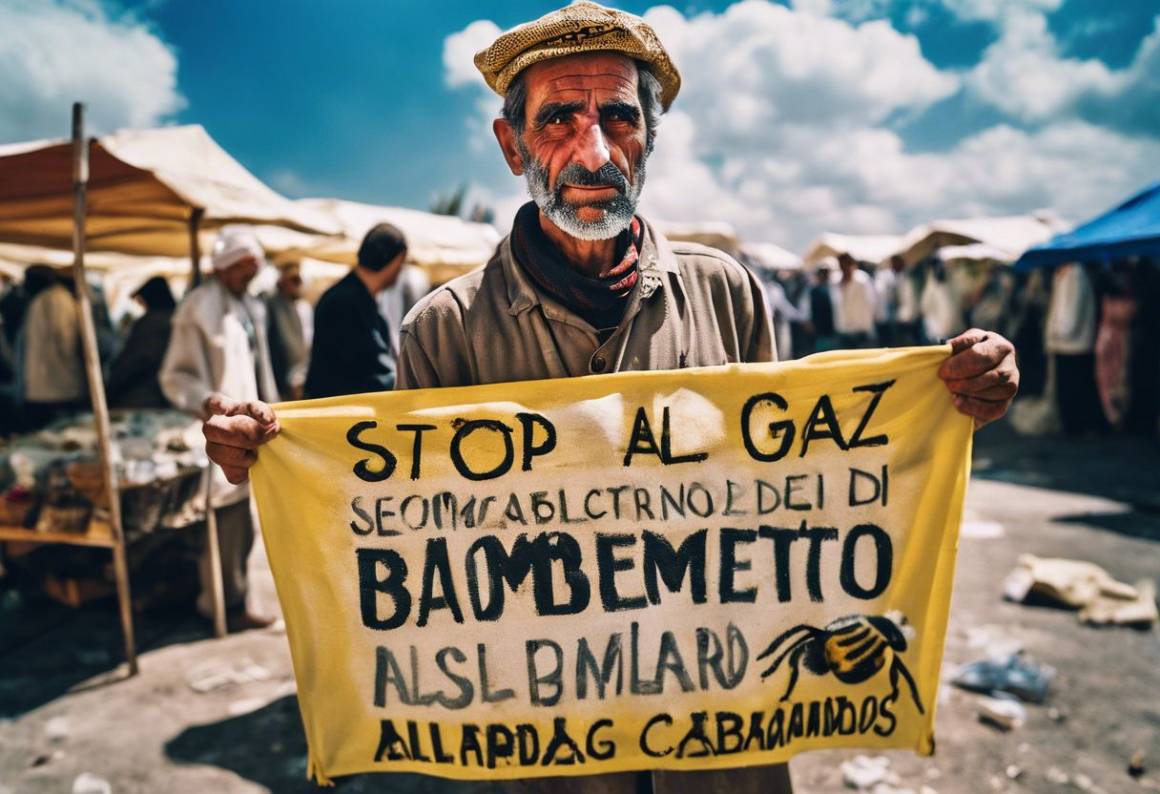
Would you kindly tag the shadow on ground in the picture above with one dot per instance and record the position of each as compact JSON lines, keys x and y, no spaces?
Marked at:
{"x":47,"y":649}
{"x":1130,"y":523}
{"x":1118,"y":467}
{"x":268,"y":747}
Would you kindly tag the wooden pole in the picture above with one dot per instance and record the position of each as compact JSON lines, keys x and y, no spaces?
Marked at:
{"x":213,"y":545}
{"x":97,"y":382}
{"x":217,"y":591}
{"x":195,"y":217}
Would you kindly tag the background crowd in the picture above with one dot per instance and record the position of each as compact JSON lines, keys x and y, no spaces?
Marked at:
{"x":1085,"y":333}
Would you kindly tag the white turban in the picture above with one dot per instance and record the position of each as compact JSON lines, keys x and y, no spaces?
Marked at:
{"x":235,"y":243}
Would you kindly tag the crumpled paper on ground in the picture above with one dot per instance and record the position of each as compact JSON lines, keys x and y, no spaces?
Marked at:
{"x":1070,"y":583}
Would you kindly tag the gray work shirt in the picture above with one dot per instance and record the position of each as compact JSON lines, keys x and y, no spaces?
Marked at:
{"x":693,"y":306}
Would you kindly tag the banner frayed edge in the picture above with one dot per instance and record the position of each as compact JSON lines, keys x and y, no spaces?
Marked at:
{"x":314,"y":772}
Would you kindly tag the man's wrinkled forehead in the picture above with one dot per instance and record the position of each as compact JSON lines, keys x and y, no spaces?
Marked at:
{"x":576,"y":77}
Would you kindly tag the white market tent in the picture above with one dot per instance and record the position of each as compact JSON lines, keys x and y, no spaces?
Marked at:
{"x":769,"y":256}
{"x":715,"y":234}
{"x":863,"y":247}
{"x":1006,"y":237}
{"x":973,"y":252}
{"x":443,"y":245}
{"x":148,"y":192}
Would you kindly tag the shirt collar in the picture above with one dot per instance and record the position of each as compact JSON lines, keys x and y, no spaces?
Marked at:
{"x":657,"y":261}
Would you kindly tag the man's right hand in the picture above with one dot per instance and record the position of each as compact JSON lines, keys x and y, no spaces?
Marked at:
{"x":233,"y":432}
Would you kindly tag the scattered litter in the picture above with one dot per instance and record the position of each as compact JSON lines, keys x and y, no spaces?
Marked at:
{"x":1058,"y":776}
{"x":46,"y":758}
{"x":245,"y":706}
{"x":873,"y":776}
{"x":217,"y":674}
{"x":1136,"y":764}
{"x":1016,"y":674}
{"x":994,"y":640}
{"x":88,"y":783}
{"x":981,"y":530}
{"x":1085,"y":783}
{"x":1055,"y":715}
{"x":864,"y":773}
{"x":1070,"y":584}
{"x":1005,"y":715}
{"x":1014,"y":772}
{"x":57,"y":729}
{"x":1139,"y":612}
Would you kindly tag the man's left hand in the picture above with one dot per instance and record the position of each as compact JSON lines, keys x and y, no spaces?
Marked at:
{"x":981,"y":374}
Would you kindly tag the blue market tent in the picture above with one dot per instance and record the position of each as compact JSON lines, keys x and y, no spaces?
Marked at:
{"x":1131,"y":229}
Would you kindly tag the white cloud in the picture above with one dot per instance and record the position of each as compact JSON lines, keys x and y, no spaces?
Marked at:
{"x":819,"y":7}
{"x":784,"y":127}
{"x":1024,"y":75}
{"x":459,"y":71}
{"x":778,"y":65}
{"x":1136,"y":108}
{"x":459,"y":52}
{"x":54,"y":53}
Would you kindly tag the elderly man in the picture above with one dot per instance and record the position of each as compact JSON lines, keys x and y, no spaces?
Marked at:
{"x":218,"y":347}
{"x":583,"y":285}
{"x":290,"y":330}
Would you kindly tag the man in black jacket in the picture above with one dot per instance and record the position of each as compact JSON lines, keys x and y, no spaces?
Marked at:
{"x":352,"y":351}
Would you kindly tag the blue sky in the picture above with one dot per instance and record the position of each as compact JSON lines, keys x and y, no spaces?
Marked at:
{"x":887,"y":115}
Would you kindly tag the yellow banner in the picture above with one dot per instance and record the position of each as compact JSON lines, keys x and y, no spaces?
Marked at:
{"x":656,"y":570}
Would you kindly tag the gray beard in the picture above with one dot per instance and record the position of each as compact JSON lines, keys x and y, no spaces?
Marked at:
{"x":618,"y":210}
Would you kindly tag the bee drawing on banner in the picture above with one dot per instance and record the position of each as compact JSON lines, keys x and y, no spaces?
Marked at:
{"x":854,"y":648}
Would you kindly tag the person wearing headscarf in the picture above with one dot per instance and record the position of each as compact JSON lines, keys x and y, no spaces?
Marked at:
{"x":133,"y":375}
{"x":218,"y":348}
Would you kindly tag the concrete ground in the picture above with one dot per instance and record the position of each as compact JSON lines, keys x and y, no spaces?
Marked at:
{"x":65,"y":709}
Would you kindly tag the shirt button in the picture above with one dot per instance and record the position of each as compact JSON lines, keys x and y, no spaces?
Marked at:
{"x":598,"y":364}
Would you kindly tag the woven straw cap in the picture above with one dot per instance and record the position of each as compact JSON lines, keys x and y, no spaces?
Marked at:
{"x":580,"y":27}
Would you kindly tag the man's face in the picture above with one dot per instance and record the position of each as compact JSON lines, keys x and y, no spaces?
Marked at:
{"x":848,"y":265}
{"x":290,"y":282}
{"x":584,"y":143}
{"x":238,"y":276}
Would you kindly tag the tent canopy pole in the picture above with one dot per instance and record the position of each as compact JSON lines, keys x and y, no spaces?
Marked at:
{"x":96,"y":380}
{"x":195,"y":216}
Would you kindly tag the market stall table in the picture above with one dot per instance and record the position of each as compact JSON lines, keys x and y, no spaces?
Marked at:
{"x":51,"y":490}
